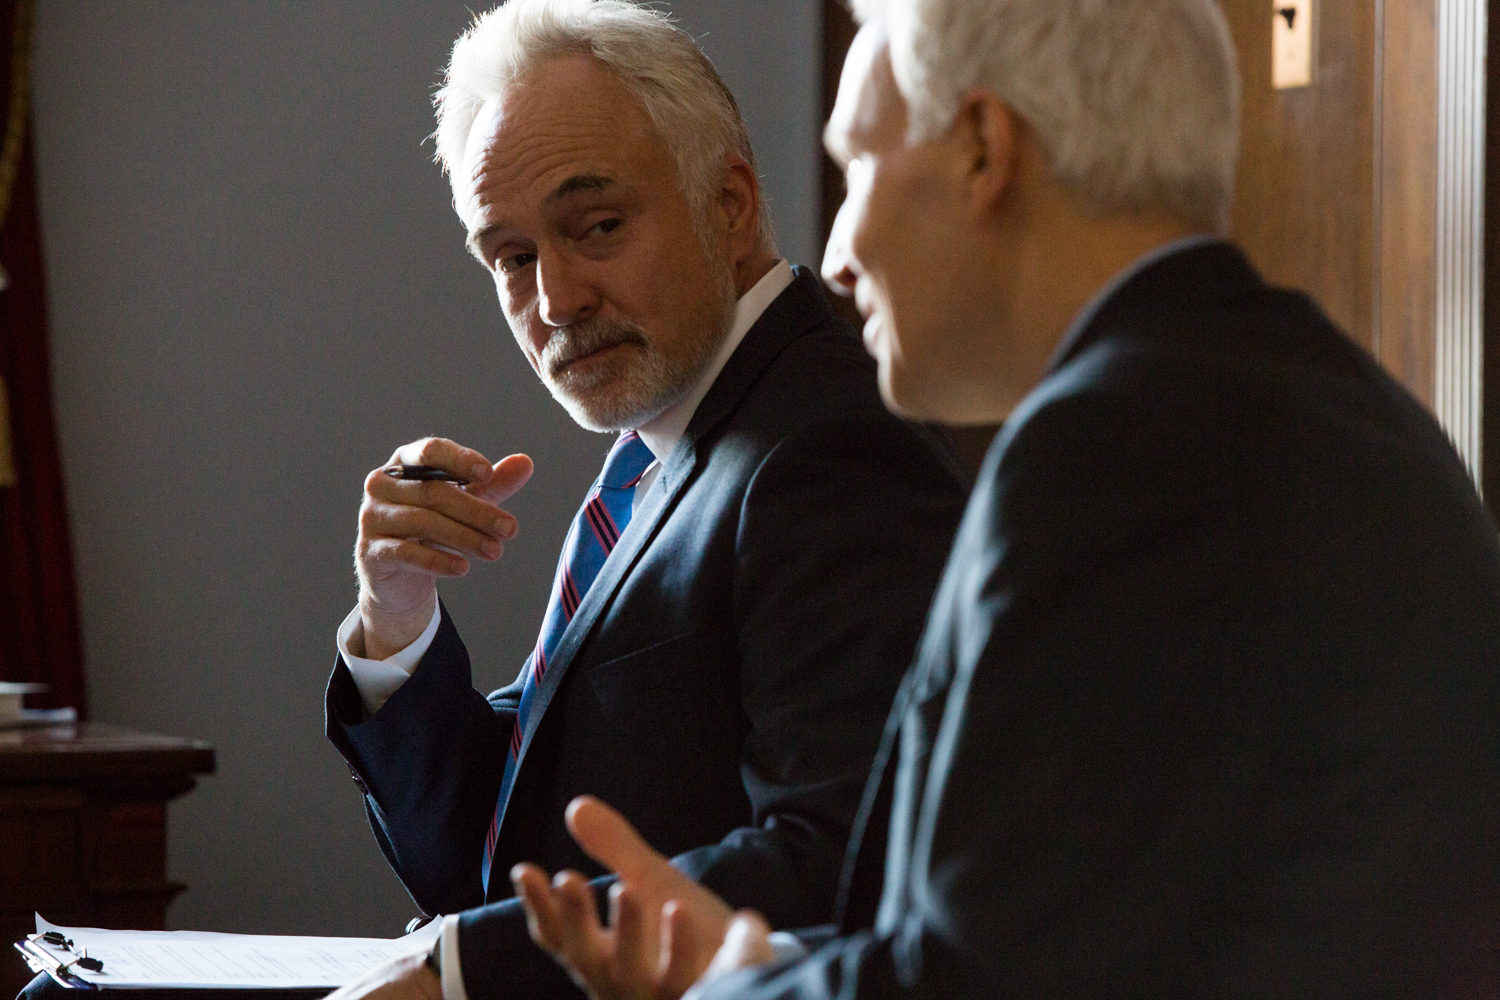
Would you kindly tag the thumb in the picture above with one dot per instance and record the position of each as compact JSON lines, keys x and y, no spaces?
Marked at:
{"x":507,"y":477}
{"x":609,"y":839}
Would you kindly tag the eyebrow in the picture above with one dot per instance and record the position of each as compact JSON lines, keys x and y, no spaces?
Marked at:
{"x":474,"y":239}
{"x":576,"y":184}
{"x":581,"y":182}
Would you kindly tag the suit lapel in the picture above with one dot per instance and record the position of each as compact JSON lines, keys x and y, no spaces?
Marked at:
{"x":795,"y":311}
{"x":641,"y":529}
{"x":792,"y":314}
{"x":862,"y":877}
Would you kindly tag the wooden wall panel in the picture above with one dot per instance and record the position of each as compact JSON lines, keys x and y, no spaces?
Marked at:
{"x":1305,"y":190}
{"x":1407,"y":209}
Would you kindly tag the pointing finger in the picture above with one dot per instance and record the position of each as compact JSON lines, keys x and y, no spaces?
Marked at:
{"x":609,"y":839}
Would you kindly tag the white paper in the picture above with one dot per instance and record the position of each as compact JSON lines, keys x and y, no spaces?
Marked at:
{"x":196,"y":959}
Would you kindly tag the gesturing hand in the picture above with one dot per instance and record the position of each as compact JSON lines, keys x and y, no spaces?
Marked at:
{"x":402,"y":524}
{"x":664,"y":928}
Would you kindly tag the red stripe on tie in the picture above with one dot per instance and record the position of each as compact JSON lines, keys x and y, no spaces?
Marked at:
{"x":539,"y":663}
{"x":492,"y":836}
{"x":603,"y":524}
{"x":570,"y":598}
{"x":515,"y":741}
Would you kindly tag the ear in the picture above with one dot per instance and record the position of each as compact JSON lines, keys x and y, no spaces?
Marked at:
{"x":740,"y":207}
{"x":989,"y":133}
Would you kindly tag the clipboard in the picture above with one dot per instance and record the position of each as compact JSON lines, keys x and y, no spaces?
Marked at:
{"x":121,"y":962}
{"x":40,"y":959}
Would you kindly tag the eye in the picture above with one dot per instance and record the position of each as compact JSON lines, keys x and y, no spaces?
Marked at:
{"x":607,"y":226}
{"x":514,"y":263}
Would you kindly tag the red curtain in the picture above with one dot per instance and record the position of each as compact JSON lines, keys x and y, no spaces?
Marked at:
{"x":39,"y":634}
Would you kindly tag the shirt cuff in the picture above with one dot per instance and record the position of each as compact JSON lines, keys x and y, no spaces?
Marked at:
{"x":453,"y":973}
{"x":786,"y":945}
{"x":377,"y":680}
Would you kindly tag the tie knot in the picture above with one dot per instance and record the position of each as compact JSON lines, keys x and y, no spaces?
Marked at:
{"x":627,"y":460}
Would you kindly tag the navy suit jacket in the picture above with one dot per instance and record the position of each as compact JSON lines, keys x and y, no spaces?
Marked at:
{"x":1209,"y":701}
{"x":725,"y":679}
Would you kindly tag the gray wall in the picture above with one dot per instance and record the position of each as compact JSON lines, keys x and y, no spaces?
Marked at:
{"x":258,"y":289}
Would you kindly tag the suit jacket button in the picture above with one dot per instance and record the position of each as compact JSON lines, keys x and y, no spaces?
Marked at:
{"x":358,"y":781}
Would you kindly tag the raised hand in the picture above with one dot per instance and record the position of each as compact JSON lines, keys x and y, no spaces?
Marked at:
{"x":664,"y":928}
{"x":412,"y":533}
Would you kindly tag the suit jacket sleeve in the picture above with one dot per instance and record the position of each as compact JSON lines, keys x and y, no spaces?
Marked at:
{"x":1044,"y":770}
{"x":842,"y":535}
{"x":425,"y":762}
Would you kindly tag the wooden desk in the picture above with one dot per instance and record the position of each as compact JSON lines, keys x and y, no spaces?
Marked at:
{"x":83,"y":829}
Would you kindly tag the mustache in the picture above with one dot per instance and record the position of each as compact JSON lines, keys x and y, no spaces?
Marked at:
{"x":569,"y":343}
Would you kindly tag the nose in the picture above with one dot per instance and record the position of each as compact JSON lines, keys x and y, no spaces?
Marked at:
{"x":840,"y":270}
{"x":564,"y":295}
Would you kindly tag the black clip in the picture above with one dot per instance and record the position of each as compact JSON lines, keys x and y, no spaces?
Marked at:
{"x":84,"y":961}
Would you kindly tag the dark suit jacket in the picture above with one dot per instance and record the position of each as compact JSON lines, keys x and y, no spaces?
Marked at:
{"x":725,"y":679}
{"x":1209,"y":702}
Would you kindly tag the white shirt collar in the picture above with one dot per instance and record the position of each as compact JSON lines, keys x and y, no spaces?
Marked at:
{"x":661,"y":434}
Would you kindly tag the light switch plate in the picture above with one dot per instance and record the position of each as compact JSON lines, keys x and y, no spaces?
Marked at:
{"x":1291,"y":43}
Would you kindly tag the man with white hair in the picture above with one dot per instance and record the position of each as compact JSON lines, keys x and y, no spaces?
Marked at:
{"x":1206,"y":703}
{"x":740,"y":593}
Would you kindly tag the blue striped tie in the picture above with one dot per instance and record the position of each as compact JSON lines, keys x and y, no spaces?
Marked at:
{"x":596,"y":528}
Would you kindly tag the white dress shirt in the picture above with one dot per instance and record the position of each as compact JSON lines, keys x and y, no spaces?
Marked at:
{"x":377,"y":680}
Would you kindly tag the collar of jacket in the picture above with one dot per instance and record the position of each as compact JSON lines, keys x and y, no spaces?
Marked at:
{"x":796,"y":310}
{"x":1206,"y":275}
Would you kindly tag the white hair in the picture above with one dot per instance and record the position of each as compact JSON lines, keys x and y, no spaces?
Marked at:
{"x":1135,"y":102}
{"x":658,"y":62}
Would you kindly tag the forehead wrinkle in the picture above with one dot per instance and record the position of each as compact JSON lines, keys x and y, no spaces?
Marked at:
{"x":519,"y":153}
{"x":524,"y":169}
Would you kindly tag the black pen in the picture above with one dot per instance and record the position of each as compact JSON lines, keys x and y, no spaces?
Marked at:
{"x":423,"y":474}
